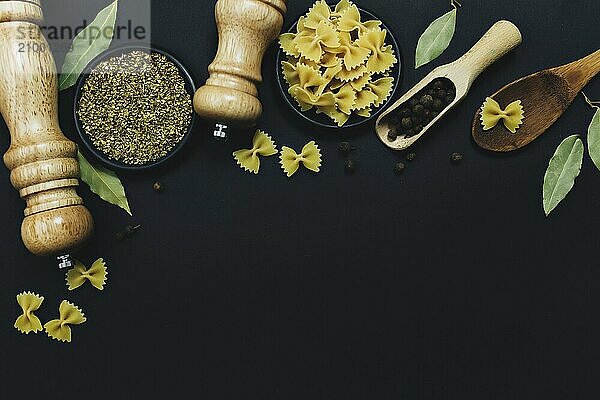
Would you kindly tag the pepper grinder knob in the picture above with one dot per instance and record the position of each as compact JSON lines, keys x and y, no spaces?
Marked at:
{"x":246,"y":29}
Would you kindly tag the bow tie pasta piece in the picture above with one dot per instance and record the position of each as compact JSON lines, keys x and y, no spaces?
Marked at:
{"x":345,"y":99}
{"x":365,"y":98}
{"x":349,"y":20}
{"x":286,"y":42}
{"x":307,"y":100}
{"x":311,"y":45}
{"x":492,"y":113}
{"x":97,"y":275}
{"x":341,"y":7}
{"x":28,"y":321}
{"x":364,"y":112}
{"x":347,"y":76}
{"x":69,"y":314}
{"x":382,"y":88}
{"x":310,"y":158}
{"x":359,"y":83}
{"x":319,"y":12}
{"x":354,"y":55}
{"x":263,"y":145}
{"x":382,"y":58}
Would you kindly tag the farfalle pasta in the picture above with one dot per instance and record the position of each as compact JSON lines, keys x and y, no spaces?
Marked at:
{"x":338,"y":64}
{"x":310,"y":157}
{"x":492,"y":113}
{"x":28,"y":322}
{"x":96,"y":275}
{"x":262,"y":145}
{"x":60,"y":329}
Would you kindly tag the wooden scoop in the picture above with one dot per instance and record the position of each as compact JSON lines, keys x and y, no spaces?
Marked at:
{"x":502,"y":37}
{"x":545,"y":95}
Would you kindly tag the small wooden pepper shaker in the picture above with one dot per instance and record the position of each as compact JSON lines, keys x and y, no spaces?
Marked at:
{"x":230,"y":96}
{"x":43,"y":162}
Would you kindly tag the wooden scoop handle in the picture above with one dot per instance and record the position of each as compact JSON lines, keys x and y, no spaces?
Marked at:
{"x":43,"y":162}
{"x":502,"y":38}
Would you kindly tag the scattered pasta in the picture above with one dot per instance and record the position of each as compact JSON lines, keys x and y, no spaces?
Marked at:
{"x":492,"y":113}
{"x":97,"y":275}
{"x":338,"y":64}
{"x":28,"y":321}
{"x":69,"y":314}
{"x":263,"y":145}
{"x":310,"y":158}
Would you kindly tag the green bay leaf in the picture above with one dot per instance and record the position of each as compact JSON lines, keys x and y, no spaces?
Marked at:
{"x":563,"y":169}
{"x":90,"y":42}
{"x":594,"y":138}
{"x":436,"y":38}
{"x":104,"y":183}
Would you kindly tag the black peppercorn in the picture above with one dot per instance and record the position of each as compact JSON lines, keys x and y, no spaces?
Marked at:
{"x":392,"y":135}
{"x":345,"y":148}
{"x":438,"y":105}
{"x":399,"y":168}
{"x":413,"y":102}
{"x":431,"y":92}
{"x":407,"y":123}
{"x":158,"y":187}
{"x":427,"y":114}
{"x":427,"y":101}
{"x":405,"y":112}
{"x":439,"y":84}
{"x":418,"y":128}
{"x":411,"y":156}
{"x":456,"y":157}
{"x":441,"y":94}
{"x":418,"y":109}
{"x":449,"y":99}
{"x":350,"y":167}
{"x":434,"y":114}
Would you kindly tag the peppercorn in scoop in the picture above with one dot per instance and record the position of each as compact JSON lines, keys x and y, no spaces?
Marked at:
{"x":410,"y":119}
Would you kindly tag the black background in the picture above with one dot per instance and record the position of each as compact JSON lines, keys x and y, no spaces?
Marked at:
{"x":444,"y":283}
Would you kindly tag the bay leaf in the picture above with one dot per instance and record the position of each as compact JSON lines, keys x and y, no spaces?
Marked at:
{"x":436,"y":38}
{"x":594,"y":138}
{"x":103,"y":182}
{"x":563,"y":169}
{"x":90,"y":42}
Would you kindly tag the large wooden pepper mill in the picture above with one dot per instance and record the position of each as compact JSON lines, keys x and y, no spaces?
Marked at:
{"x":43,"y":163}
{"x":246,"y":29}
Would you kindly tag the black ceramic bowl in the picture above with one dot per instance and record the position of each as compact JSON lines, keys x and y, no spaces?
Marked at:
{"x":87,"y":142}
{"x":355,"y":120}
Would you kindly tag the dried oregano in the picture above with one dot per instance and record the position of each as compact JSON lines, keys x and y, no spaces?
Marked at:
{"x":437,"y":37}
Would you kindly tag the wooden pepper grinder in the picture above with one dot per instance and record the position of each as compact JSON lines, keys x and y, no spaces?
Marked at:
{"x":230,"y":96}
{"x":43,"y":163}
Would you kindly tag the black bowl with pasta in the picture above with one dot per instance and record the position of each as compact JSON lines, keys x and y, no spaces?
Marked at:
{"x":322,"y":119}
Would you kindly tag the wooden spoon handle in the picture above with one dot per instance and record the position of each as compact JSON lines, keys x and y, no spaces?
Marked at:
{"x":502,"y":37}
{"x":580,"y":72}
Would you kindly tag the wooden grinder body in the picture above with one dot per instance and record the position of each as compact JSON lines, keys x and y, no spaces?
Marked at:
{"x":246,"y":29}
{"x":43,"y":163}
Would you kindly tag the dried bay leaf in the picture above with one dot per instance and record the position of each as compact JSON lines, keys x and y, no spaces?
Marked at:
{"x":563,"y":169}
{"x":90,"y":42}
{"x":436,"y":38}
{"x":594,"y":138}
{"x":104,"y":183}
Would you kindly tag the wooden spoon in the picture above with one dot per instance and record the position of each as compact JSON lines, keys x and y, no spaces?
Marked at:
{"x":545,"y":95}
{"x":502,"y":37}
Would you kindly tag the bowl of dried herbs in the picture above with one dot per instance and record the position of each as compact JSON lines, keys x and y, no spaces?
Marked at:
{"x":133,"y":107}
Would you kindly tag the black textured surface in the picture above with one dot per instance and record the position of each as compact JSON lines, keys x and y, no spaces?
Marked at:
{"x":444,"y":283}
